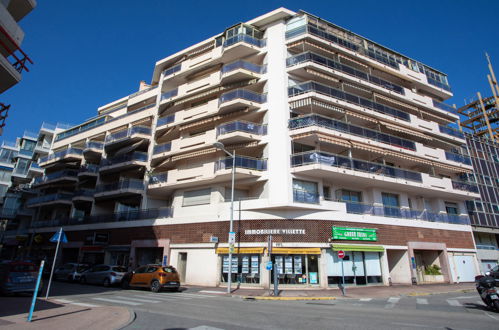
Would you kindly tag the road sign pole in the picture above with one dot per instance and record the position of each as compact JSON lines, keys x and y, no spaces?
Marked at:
{"x":35,"y":294}
{"x":53,"y":263}
{"x":343,"y":289}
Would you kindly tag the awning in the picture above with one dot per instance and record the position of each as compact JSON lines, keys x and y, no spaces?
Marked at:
{"x":322,"y":75}
{"x":282,"y":250}
{"x":364,"y":248}
{"x":364,"y":90}
{"x":405,"y":131}
{"x":244,"y":250}
{"x":128,"y":149}
{"x":333,"y":140}
{"x":194,"y":154}
{"x":408,"y":157}
{"x":395,"y":102}
{"x":349,"y":60}
{"x":303,"y":43}
{"x":452,"y":168}
{"x":358,"y":115}
{"x":367,"y":147}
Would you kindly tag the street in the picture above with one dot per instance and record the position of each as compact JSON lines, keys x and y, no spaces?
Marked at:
{"x":203,"y":309}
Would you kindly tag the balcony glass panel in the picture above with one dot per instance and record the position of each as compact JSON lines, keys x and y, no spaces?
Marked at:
{"x":243,"y":94}
{"x":465,"y":186}
{"x":242,"y":162}
{"x":437,"y":83}
{"x":316,"y":120}
{"x":458,"y":158}
{"x":166,"y":120}
{"x":172,"y":70}
{"x":242,"y":126}
{"x":169,"y":94}
{"x":92,"y":168}
{"x":312,"y":86}
{"x":94,"y":145}
{"x":241,"y":37}
{"x":162,"y":148}
{"x":158,"y":178}
{"x":61,"y":154}
{"x":135,"y":156}
{"x":303,"y":196}
{"x":443,"y":106}
{"x":127,"y":133}
{"x":49,"y":198}
{"x":85,"y":193}
{"x":242,"y":65}
{"x":451,"y":131}
{"x":122,"y":184}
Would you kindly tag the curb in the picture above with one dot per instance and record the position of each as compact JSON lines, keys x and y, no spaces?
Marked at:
{"x":288,"y":298}
{"x":132,"y":318}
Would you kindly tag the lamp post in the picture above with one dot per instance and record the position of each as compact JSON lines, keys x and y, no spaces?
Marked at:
{"x":220,"y":145}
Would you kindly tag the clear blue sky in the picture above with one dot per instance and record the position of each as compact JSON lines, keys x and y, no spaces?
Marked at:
{"x":89,"y":53}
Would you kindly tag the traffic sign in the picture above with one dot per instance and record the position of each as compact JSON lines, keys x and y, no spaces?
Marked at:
{"x":232,"y":237}
{"x":269,"y":265}
{"x":341,"y":254}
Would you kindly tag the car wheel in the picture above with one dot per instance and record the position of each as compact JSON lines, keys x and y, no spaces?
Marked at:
{"x":125,"y":285}
{"x":83,"y":280}
{"x":155,"y":286}
{"x":107,"y":283}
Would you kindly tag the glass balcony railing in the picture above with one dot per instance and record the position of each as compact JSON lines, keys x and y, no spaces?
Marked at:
{"x":89,"y":168}
{"x":316,"y":120}
{"x":27,"y":153}
{"x":120,"y":185}
{"x":312,"y":86}
{"x":240,"y":64}
{"x":165,"y":147}
{"x":465,"y":186}
{"x":84,"y":193}
{"x":169,"y":94}
{"x":49,"y":198}
{"x":439,"y":84}
{"x":244,"y":38}
{"x":165,"y":120}
{"x":242,"y":162}
{"x":172,"y":70}
{"x":135,"y":156}
{"x":302,"y":196}
{"x":158,"y":178}
{"x":312,"y":57}
{"x":242,"y":126}
{"x":121,"y":135}
{"x":61,"y":154}
{"x":451,"y":131}
{"x":486,"y":247}
{"x":30,"y":135}
{"x":443,"y":106}
{"x":35,"y":167}
{"x":316,"y":157}
{"x":94,"y":145}
{"x":458,"y":158}
{"x":20,"y":171}
{"x":405,"y":213}
{"x":242,"y":94}
{"x":56,"y":175}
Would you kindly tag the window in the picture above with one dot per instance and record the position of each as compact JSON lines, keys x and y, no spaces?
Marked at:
{"x":141,"y":270}
{"x":238,"y":194}
{"x":451,"y":208}
{"x":326,"y":191}
{"x":305,"y":191}
{"x":390,"y":204}
{"x":349,"y":195}
{"x":197,"y":197}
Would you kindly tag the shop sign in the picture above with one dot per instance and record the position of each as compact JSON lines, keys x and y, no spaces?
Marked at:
{"x":354,"y":234}
{"x":274,"y":232}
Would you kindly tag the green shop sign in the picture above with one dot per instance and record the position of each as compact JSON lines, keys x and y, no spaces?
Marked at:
{"x":354,"y":234}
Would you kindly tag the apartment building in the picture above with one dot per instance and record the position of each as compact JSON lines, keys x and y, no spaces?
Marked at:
{"x":13,"y":60}
{"x":336,"y":143}
{"x":18,"y":168}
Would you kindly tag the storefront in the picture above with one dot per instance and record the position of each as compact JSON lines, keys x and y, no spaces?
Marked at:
{"x":246,"y":264}
{"x":298,"y":266}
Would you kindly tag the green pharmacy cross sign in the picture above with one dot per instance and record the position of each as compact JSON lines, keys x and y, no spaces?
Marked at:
{"x":354,"y":234}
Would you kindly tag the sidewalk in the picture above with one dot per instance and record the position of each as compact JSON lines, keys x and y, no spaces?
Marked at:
{"x":54,"y":315}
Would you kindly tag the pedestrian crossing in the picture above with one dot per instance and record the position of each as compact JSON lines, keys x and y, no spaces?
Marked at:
{"x":149,"y":298}
{"x":405,"y":301}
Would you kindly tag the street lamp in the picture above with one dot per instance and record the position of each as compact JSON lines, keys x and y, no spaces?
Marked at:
{"x":220,"y":145}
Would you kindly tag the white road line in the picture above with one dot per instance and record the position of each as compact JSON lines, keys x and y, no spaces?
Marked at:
{"x":119,"y":301}
{"x":393,"y":300}
{"x":422,"y":301}
{"x":188,"y":295}
{"x":492,"y":316}
{"x":465,"y":297}
{"x":204,"y":327}
{"x":85,"y":305}
{"x":479,"y":302}
{"x":454,"y":303}
{"x":64,"y":301}
{"x":214,"y":292}
{"x":161,"y":297}
{"x":365,"y":299}
{"x":137,"y":299}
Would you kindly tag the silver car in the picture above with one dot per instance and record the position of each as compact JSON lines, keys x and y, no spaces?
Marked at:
{"x":106,"y":275}
{"x":70,"y":271}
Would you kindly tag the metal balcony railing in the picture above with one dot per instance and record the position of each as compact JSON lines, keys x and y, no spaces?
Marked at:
{"x":242,"y":162}
{"x":244,"y":38}
{"x":242,"y":94}
{"x":120,"y":185}
{"x":162,"y":148}
{"x":56,"y":175}
{"x":49,"y":198}
{"x":61,"y":154}
{"x":135,"y":156}
{"x":465,"y":186}
{"x":121,"y":135}
{"x":242,"y":126}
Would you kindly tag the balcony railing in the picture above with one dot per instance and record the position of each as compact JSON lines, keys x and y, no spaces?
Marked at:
{"x":451,"y":131}
{"x":56,"y":175}
{"x":443,"y":106}
{"x":142,"y":92}
{"x":405,"y":213}
{"x":84,"y":193}
{"x":104,"y":218}
{"x":312,"y":86}
{"x":316,"y":157}
{"x":486,"y":247}
{"x":172,"y":70}
{"x":49,"y":198}
{"x":465,"y":186}
{"x":121,"y":135}
{"x":458,"y":158}
{"x":20,"y":171}
{"x":120,"y":185}
{"x":169,"y":94}
{"x":316,"y":120}
{"x":165,"y":147}
{"x":244,"y":38}
{"x":242,"y":94}
{"x":89,"y":168}
{"x":61,"y":154}
{"x":240,"y":64}
{"x":312,"y":57}
{"x":14,"y":54}
{"x":302,"y":196}
{"x":439,"y":84}
{"x":158,"y":178}
{"x":135,"y":156}
{"x":166,"y":120}
{"x":94,"y":145}
{"x":242,"y":162}
{"x":242,"y":126}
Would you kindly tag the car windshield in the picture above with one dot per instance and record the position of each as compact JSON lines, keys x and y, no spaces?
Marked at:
{"x":23,"y":268}
{"x":169,"y":270}
{"x":119,"y":269}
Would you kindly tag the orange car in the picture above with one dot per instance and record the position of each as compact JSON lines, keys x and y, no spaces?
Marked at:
{"x":154,"y":277}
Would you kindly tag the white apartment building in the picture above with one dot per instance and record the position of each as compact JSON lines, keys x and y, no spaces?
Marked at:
{"x":340,"y":144}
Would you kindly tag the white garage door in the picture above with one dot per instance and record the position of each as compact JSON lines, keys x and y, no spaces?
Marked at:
{"x":465,"y":268}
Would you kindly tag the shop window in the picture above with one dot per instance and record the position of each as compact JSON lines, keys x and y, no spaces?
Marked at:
{"x":197,"y":197}
{"x":359,"y":268}
{"x":245,"y":268}
{"x":296,"y":269}
{"x":451,"y":208}
{"x":391,"y":205}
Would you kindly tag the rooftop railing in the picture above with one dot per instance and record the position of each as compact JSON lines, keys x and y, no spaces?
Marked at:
{"x":244,"y":38}
{"x":316,"y":157}
{"x":312,"y":86}
{"x":312,"y":57}
{"x":451,"y":131}
{"x":142,"y":92}
{"x":458,"y":158}
{"x":240,"y":64}
{"x":165,"y":120}
{"x":49,"y":198}
{"x":465,"y":186}
{"x":122,"y":184}
{"x":162,"y":148}
{"x":242,"y":126}
{"x":443,"y":106}
{"x":158,"y":178}
{"x":242,"y":162}
{"x":61,"y":154}
{"x":127,"y":133}
{"x":317,"y":120}
{"x":169,"y":94}
{"x":242,"y":94}
{"x":134,"y":156}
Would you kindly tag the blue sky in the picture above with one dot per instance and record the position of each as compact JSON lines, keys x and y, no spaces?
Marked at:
{"x":89,"y":53}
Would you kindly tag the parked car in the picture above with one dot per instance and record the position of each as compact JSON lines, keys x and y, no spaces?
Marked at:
{"x":154,"y":277}
{"x":18,"y":276}
{"x":494,"y":272}
{"x":70,"y":272}
{"x":106,"y":275}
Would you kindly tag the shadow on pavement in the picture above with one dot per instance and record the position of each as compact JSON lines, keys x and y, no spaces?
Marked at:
{"x":15,"y":305}
{"x":477,"y":307}
{"x":59,"y":315}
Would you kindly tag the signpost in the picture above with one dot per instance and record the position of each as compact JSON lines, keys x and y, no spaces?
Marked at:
{"x":165,"y":261}
{"x":35,"y":294}
{"x":58,"y":237}
{"x":341,"y":255}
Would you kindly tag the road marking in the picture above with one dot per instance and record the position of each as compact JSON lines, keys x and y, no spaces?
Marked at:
{"x":204,"y":327}
{"x":137,"y":299}
{"x":366,"y":299}
{"x":64,"y":301}
{"x":189,"y":295}
{"x":393,"y":300}
{"x":119,"y":301}
{"x":85,"y":305}
{"x":214,"y":292}
{"x":161,"y":297}
{"x":422,"y":301}
{"x":454,"y":303}
{"x":492,"y":316}
{"x":465,"y":297}
{"x":479,"y":302}
{"x":411,"y":325}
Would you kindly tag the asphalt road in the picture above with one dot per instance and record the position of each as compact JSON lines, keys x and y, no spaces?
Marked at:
{"x":194,"y":309}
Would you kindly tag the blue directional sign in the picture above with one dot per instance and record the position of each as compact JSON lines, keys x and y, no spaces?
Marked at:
{"x":56,"y":238}
{"x":269,"y":265}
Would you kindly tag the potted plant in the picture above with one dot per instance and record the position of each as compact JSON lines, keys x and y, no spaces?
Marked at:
{"x":432,"y":273}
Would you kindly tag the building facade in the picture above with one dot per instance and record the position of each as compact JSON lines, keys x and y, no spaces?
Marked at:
{"x":339,"y":143}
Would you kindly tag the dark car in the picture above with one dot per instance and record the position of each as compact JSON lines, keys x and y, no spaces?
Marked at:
{"x":154,"y":277}
{"x":18,"y":276}
{"x":70,"y":272}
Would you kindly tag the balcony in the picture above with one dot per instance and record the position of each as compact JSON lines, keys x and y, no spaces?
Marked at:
{"x":122,"y":188}
{"x":458,"y":158}
{"x":465,"y":186}
{"x":93,"y":149}
{"x":405,"y":213}
{"x":160,"y":148}
{"x":443,"y":106}
{"x":169,"y":94}
{"x":50,"y":199}
{"x":13,"y":60}
{"x":162,"y":121}
{"x":149,"y":214}
{"x":88,"y":170}
{"x":340,"y":126}
{"x":240,"y":98}
{"x":84,"y":195}
{"x":242,"y":162}
{"x":158,"y":178}
{"x":125,"y":162}
{"x":354,"y":73}
{"x":168,"y":72}
{"x":20,"y":174}
{"x":26,"y":154}
{"x":451,"y":131}
{"x":35,"y":170}
{"x":240,"y":131}
{"x":240,"y":70}
{"x":67,"y":155}
{"x":60,"y":177}
{"x":242,"y":45}
{"x":313,"y":87}
{"x":42,"y":147}
{"x":127,"y":137}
